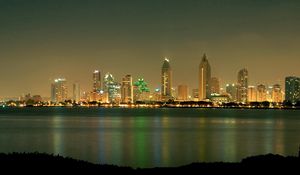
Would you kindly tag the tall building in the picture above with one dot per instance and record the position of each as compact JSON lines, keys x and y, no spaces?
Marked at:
{"x":156,"y":95}
{"x":204,"y":79}
{"x":182,"y":93}
{"x":242,"y":86}
{"x":269,"y":90}
{"x":277,"y":94}
{"x":261,"y":93}
{"x":141,"y":92}
{"x":231,"y":90}
{"x":76,"y":92}
{"x":96,"y":81}
{"x":166,"y":80}
{"x":112,"y":88}
{"x":127,"y":89}
{"x":252,"y":94}
{"x":215,"y":85}
{"x":59,"y":90}
{"x":292,"y":89}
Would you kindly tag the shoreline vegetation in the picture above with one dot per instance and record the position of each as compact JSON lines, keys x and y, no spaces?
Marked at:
{"x":224,"y":106}
{"x":40,"y":163}
{"x":157,"y":104}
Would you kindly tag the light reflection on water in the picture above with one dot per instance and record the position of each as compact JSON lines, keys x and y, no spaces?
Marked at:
{"x":150,"y":137}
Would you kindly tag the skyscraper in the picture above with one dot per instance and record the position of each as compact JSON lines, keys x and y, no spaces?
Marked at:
{"x":96,"y":81}
{"x":252,"y":94}
{"x":59,"y":90}
{"x":215,"y":85}
{"x":231,"y":90}
{"x":112,"y":88}
{"x":141,"y":92}
{"x":277,"y":95}
{"x":166,"y":80}
{"x":127,"y":89}
{"x":204,"y":79}
{"x":76,"y":92}
{"x":292,"y":89}
{"x":242,"y":86}
{"x":261,"y":93}
{"x":269,"y":90}
{"x":182,"y":92}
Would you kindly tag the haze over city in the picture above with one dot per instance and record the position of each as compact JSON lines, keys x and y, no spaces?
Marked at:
{"x":44,"y":40}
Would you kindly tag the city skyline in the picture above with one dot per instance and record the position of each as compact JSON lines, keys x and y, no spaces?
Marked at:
{"x":38,"y":46}
{"x":96,"y":82}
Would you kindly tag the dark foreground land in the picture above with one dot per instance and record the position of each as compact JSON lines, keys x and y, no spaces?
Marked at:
{"x":38,"y":163}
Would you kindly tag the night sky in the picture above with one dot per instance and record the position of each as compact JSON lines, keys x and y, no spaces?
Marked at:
{"x":41,"y":40}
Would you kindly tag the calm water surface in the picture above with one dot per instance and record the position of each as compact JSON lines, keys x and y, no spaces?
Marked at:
{"x":150,"y":137}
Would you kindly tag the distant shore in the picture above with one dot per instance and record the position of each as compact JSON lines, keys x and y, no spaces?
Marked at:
{"x":157,"y":104}
{"x":131,"y":107}
{"x":45,"y":163}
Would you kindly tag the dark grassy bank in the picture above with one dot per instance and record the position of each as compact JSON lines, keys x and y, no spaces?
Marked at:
{"x":38,"y":163}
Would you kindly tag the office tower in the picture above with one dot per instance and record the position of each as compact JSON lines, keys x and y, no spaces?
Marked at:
{"x":127,"y":89}
{"x":292,"y":89}
{"x":166,"y":80}
{"x":215,"y":85}
{"x":112,"y":88}
{"x":156,"y":95}
{"x":84,"y":96}
{"x":252,"y":94}
{"x":141,"y":92}
{"x":204,"y":79}
{"x":182,"y":93}
{"x":242,"y":86}
{"x":269,"y":90}
{"x":76,"y":92}
{"x":261,"y":93}
{"x":231,"y":90}
{"x":96,"y":81}
{"x":277,"y":94}
{"x":59,"y":90}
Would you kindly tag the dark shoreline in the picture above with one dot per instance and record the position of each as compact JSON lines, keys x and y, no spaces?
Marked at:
{"x":41,"y":163}
{"x":163,"y":107}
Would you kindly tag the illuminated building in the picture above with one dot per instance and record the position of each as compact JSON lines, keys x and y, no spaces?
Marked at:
{"x":141,"y":91}
{"x":156,"y":95}
{"x":217,"y":98}
{"x":252,"y":94}
{"x":215,"y":85}
{"x":112,"y":88}
{"x":204,"y":79}
{"x":242,"y":86}
{"x":277,"y":94}
{"x":261,"y":93}
{"x":76,"y":92}
{"x":269,"y":90}
{"x":101,"y":97}
{"x":174,"y":93}
{"x":59,"y":90}
{"x":127,"y":90}
{"x":96,"y":81}
{"x":166,"y":81}
{"x":182,"y":93}
{"x":94,"y":96}
{"x":292,"y":89}
{"x":231,"y":90}
{"x":84,"y":96}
